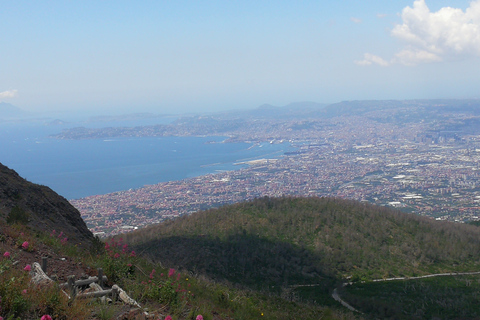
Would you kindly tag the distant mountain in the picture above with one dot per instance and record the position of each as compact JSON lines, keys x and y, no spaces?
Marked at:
{"x":305,"y":105}
{"x":296,"y":110}
{"x":8,"y":110}
{"x":40,"y":208}
{"x":283,"y":123}
{"x":421,"y":108}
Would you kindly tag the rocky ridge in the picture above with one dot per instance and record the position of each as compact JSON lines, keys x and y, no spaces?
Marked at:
{"x":40,"y":208}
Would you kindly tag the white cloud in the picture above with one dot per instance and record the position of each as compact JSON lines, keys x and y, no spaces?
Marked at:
{"x":369,"y":59}
{"x":381,"y":15}
{"x":356,"y":20}
{"x":448,"y":33}
{"x":414,"y":57}
{"x":8,"y":94}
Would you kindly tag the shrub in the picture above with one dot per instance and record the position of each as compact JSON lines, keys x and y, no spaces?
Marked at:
{"x":118,"y":262}
{"x":17,"y":215}
{"x":13,"y":300}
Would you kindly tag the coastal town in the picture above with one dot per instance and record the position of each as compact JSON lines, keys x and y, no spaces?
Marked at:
{"x":420,"y":166}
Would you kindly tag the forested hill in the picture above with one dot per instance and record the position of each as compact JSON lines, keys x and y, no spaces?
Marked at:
{"x":289,"y":241}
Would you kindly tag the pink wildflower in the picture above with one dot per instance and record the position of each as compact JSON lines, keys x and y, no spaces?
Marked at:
{"x":27,"y":268}
{"x":117,"y":255}
{"x":152,"y":273}
{"x":199,"y":317}
{"x":61,"y":234}
{"x":6,"y":254}
{"x":24,"y":291}
{"x":171,"y":272}
{"x":46,"y":317}
{"x":64,"y":240}
{"x":1,"y":318}
{"x":178,"y":276}
{"x":133,"y":254}
{"x":25,"y":245}
{"x":168,"y":318}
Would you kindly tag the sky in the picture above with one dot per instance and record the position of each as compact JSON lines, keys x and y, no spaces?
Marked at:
{"x":196,"y":56}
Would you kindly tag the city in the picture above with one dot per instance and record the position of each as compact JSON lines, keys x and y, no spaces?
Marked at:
{"x":416,"y":166}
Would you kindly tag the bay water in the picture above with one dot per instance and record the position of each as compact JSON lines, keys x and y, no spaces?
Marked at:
{"x":80,"y":168}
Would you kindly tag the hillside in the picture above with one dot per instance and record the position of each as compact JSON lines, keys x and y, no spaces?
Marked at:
{"x":40,"y":208}
{"x":277,"y":243}
{"x":274,"y":258}
{"x":36,"y":223}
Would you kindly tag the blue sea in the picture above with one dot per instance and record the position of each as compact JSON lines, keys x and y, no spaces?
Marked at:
{"x":80,"y":168}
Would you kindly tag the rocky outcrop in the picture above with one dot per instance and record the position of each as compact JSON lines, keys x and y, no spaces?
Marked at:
{"x":40,"y":208}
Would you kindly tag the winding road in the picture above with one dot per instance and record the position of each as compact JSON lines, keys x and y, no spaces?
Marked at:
{"x":337,"y":297}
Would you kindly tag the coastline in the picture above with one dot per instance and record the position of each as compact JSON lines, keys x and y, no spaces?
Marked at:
{"x":81,"y":168}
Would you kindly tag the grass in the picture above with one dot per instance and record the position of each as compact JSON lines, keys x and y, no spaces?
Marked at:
{"x":20,"y":299}
{"x":160,"y":290}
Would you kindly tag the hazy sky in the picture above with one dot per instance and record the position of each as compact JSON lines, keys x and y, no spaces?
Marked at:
{"x":180,"y":56}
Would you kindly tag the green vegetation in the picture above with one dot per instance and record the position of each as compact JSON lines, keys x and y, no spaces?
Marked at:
{"x":454,"y":297}
{"x":19,"y":299}
{"x":293,"y":241}
{"x":474,"y":223}
{"x":160,"y":290}
{"x":267,"y":258}
{"x":17,"y":215}
{"x":300,"y":249}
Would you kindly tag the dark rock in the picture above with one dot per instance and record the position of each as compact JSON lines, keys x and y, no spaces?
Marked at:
{"x":41,"y":208}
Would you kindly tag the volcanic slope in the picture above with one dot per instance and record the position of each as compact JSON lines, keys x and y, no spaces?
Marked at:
{"x":278,"y":243}
{"x":40,"y":208}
